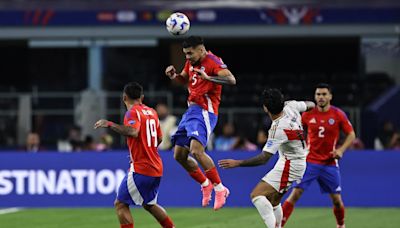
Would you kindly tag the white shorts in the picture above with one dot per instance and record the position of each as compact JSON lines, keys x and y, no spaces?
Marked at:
{"x":285,"y":172}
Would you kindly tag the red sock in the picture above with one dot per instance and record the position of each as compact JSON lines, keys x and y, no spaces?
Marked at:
{"x":198,"y":176}
{"x":127,"y":225}
{"x":339,"y":214}
{"x":287,"y":208}
{"x":167,"y":223}
{"x":213,"y":176}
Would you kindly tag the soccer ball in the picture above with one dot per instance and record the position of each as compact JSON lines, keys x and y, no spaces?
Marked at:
{"x":178,"y":24}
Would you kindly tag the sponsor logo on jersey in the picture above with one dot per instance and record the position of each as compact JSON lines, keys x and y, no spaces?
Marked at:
{"x":313,"y":120}
{"x":331,"y":121}
{"x":131,"y":122}
{"x":195,"y":133}
{"x":269,"y":143}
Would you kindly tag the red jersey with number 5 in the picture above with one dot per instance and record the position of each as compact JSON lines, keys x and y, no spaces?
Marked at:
{"x":144,"y":155}
{"x":205,"y":93}
{"x":323,"y":130}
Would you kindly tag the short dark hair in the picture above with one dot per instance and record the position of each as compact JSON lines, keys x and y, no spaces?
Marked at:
{"x":192,"y":41}
{"x":324,"y":86}
{"x":133,"y":90}
{"x":273,"y":99}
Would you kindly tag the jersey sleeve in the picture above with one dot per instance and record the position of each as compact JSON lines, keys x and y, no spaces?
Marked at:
{"x":217,"y":65}
{"x":298,"y":105}
{"x":345,"y":124}
{"x":275,"y":140}
{"x":132,"y":119}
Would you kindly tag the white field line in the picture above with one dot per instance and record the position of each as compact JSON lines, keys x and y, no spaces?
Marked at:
{"x":10,"y":210}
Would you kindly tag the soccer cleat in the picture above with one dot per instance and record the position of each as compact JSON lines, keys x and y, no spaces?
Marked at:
{"x":207,"y":191}
{"x":340,"y":226}
{"x":220,"y":198}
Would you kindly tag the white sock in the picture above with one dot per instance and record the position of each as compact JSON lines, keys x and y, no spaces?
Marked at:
{"x":205,"y":183}
{"x":278,"y":215}
{"x":219,"y":187}
{"x":265,"y":209}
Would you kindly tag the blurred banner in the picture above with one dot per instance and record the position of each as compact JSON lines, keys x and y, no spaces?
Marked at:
{"x":90,"y":179}
{"x":300,"y":15}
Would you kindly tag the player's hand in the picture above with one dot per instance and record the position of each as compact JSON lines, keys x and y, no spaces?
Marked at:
{"x":202,"y":74}
{"x":228,"y":163}
{"x":337,"y":154}
{"x":101,"y":123}
{"x":170,"y":71}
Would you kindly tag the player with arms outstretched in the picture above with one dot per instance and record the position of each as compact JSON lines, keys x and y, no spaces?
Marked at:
{"x":285,"y":135}
{"x":204,"y":74}
{"x":140,"y":185}
{"x":323,"y":124}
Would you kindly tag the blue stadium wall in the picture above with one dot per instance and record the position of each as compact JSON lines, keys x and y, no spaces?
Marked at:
{"x":90,"y":179}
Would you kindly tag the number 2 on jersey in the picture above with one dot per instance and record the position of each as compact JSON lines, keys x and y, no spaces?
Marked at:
{"x":321,"y":131}
{"x":151,"y":132}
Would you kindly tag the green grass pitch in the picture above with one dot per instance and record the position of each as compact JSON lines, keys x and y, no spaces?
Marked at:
{"x":198,"y":217}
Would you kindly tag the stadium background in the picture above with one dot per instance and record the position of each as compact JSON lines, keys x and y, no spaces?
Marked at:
{"x":64,"y":63}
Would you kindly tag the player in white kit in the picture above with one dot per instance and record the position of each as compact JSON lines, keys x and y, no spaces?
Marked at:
{"x":286,"y":136}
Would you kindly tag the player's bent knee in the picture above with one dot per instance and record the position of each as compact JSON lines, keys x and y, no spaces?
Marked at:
{"x":147,"y":207}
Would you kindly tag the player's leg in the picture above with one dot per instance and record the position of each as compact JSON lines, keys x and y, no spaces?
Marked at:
{"x":124,"y":214}
{"x":267,"y":201}
{"x":330,"y":182}
{"x":160,"y":214}
{"x":181,"y":154}
{"x":221,"y":192}
{"x":312,"y":173}
{"x":338,"y":209}
{"x":290,"y":202}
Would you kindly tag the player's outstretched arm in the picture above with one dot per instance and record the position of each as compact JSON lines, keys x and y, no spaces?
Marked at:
{"x":310,"y":105}
{"x":224,"y":77}
{"x":182,"y":78}
{"x":260,"y":159}
{"x":120,"y":129}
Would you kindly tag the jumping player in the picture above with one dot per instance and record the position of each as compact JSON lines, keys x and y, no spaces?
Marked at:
{"x":204,"y":74}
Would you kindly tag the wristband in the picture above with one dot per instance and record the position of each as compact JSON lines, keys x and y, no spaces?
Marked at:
{"x":109,"y":123}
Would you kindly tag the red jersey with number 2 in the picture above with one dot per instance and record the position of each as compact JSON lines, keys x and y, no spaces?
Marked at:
{"x":144,"y":155}
{"x":323,"y":129}
{"x":205,"y":93}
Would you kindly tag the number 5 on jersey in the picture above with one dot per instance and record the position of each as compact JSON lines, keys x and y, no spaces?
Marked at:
{"x":151,"y":133}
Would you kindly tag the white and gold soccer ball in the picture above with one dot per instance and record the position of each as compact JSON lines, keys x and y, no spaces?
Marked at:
{"x":178,"y":24}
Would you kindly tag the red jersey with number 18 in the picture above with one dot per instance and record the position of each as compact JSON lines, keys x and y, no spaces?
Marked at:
{"x":323,"y":130}
{"x":144,"y":155}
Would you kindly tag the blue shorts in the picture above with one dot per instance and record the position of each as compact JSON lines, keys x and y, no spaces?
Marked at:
{"x":196,"y":123}
{"x":138,"y":189}
{"x":328,"y":177}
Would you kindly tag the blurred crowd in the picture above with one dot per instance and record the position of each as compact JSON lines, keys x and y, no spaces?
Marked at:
{"x":227,"y":138}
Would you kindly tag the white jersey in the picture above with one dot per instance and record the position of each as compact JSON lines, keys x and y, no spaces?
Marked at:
{"x":286,"y":133}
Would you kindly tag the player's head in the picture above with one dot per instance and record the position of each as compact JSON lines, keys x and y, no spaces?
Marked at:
{"x":323,"y":95}
{"x":194,"y":49}
{"x":273,"y":101}
{"x":133,"y":91}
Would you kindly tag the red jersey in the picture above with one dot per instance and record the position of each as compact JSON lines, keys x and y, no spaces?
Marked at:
{"x":144,"y":155}
{"x":203,"y":92}
{"x":323,"y":130}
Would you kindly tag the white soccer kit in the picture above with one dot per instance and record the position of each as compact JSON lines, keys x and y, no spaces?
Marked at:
{"x":286,"y":136}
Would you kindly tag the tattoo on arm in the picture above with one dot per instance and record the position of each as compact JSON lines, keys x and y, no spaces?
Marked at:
{"x":260,"y":159}
{"x":124,"y":130}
